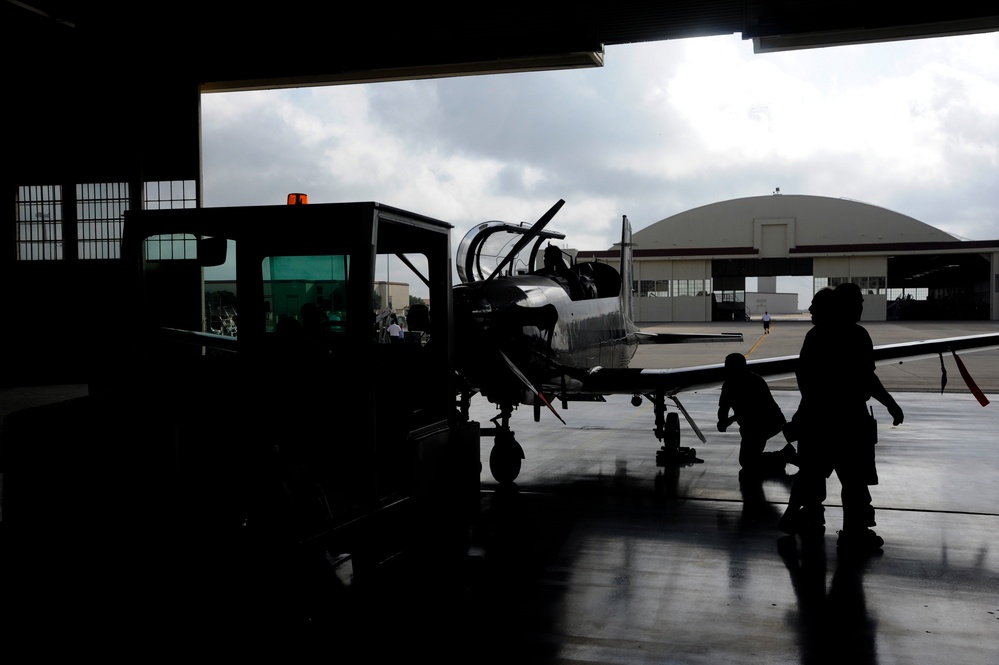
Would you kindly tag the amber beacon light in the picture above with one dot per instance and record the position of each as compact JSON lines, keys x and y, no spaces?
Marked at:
{"x":298,"y":199}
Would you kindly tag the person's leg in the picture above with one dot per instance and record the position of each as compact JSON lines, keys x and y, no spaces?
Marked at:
{"x":858,"y":511}
{"x":805,"y":511}
{"x":750,"y":452}
{"x":858,"y":517}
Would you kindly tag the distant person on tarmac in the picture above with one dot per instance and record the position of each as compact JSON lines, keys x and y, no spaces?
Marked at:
{"x":766,"y":323}
{"x":747,"y":395}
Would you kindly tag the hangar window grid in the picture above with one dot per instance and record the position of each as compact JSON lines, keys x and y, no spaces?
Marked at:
{"x":39,"y":223}
{"x":691,"y":287}
{"x":867,"y":284}
{"x":664,"y":288}
{"x":168,"y":195}
{"x":100,"y":209}
{"x":732,"y":296}
{"x":651,"y":288}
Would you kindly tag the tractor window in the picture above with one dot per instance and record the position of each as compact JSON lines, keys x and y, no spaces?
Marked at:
{"x":306,"y":290}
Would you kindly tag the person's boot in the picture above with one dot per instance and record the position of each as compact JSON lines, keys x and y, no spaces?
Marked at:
{"x":859,"y":541}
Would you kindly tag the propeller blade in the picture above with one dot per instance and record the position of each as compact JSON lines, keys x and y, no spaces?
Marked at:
{"x":690,"y":421}
{"x":523,"y":379}
{"x":526,"y":238}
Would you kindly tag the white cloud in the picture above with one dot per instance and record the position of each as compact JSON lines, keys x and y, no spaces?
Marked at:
{"x":663,"y":127}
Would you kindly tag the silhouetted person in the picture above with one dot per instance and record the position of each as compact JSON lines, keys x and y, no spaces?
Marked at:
{"x":804,"y":510}
{"x":394,"y":331}
{"x":419,"y":319}
{"x":314,"y":331}
{"x":288,"y":328}
{"x":587,"y":280}
{"x":555,"y":264}
{"x":836,"y":433}
{"x":748,"y":396}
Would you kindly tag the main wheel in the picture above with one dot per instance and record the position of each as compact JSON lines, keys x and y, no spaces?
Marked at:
{"x":504,"y":459}
{"x":672,"y":434}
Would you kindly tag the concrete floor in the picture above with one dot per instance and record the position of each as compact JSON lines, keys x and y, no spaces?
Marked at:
{"x":597,"y":555}
{"x":621,"y":561}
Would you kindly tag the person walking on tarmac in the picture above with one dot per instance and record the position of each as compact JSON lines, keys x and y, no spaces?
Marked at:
{"x":747,"y":395}
{"x":834,"y":429}
{"x":766,"y":323}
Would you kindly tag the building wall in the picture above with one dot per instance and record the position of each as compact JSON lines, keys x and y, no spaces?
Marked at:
{"x":839,"y":236}
{"x":775,"y":303}
{"x":670,"y":310}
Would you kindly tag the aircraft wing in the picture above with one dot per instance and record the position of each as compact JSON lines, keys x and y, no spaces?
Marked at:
{"x":686,"y":338}
{"x":630,"y":381}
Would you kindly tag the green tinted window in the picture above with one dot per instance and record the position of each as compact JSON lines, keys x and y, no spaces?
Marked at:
{"x":292,"y":283}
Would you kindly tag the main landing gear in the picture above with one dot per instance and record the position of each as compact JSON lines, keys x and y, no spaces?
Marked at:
{"x":668,"y":432}
{"x":506,"y":455}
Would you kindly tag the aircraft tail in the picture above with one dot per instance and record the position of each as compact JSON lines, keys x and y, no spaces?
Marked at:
{"x":627,"y":280}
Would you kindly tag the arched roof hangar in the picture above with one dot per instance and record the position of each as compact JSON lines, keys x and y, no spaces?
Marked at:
{"x":832,"y":239}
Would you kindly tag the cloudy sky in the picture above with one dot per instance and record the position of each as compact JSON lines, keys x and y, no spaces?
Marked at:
{"x":660,"y":128}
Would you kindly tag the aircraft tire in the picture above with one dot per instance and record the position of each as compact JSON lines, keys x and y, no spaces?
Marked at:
{"x":504,"y":461}
{"x":672,"y":430}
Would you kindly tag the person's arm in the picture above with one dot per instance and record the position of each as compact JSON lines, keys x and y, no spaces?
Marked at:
{"x":724,"y":422}
{"x":880,"y":393}
{"x":723,"y":408}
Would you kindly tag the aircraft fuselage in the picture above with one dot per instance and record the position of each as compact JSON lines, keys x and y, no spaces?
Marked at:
{"x":545,"y":333}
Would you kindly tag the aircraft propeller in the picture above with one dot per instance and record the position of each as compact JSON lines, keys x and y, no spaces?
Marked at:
{"x":523,"y":379}
{"x":525,"y":239}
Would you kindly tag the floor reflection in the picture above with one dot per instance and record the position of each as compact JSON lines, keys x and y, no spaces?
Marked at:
{"x":834,"y":624}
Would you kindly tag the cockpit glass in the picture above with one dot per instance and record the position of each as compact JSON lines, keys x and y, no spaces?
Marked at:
{"x":485,"y":247}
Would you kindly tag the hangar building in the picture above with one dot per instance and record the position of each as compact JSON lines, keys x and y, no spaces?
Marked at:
{"x":693,"y":266}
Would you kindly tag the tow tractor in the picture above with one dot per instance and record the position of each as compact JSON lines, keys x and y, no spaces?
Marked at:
{"x":254,"y":478}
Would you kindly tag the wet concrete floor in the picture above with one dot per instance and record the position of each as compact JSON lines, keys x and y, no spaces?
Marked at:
{"x":634,"y":563}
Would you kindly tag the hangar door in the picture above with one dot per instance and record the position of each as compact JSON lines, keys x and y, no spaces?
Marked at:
{"x":728,"y":278}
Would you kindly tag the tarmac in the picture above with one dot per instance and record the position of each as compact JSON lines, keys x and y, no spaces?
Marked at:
{"x":598,"y":555}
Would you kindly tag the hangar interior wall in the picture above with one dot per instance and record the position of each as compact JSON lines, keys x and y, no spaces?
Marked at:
{"x":871,"y":272}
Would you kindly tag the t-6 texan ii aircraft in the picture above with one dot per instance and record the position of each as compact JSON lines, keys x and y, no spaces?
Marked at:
{"x":564,"y":332}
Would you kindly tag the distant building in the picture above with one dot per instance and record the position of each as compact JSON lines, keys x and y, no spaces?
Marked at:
{"x":393,"y":294}
{"x":693,"y":266}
